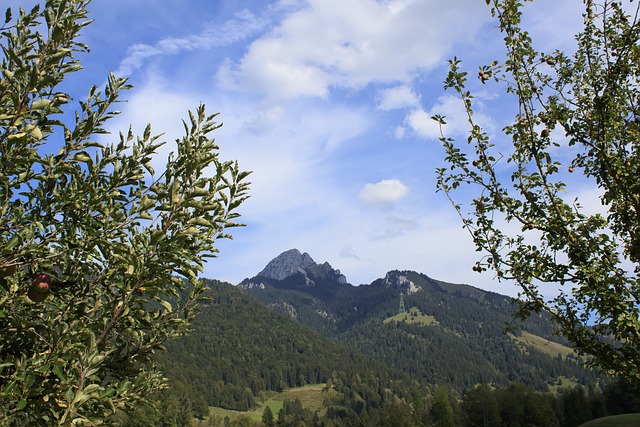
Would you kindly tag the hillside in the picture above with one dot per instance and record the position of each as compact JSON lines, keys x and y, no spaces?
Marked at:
{"x":239,"y":349}
{"x":405,"y":350}
{"x":463,"y":343}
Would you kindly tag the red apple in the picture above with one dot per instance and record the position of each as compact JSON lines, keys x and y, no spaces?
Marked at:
{"x":40,"y":287}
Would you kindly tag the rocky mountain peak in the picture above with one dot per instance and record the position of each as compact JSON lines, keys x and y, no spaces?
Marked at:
{"x":293,"y":262}
{"x":399,"y":280}
{"x":286,"y":264}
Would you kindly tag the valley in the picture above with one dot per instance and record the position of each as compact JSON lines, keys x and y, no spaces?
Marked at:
{"x":299,"y":333}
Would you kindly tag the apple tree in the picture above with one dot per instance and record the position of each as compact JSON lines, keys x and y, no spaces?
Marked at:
{"x":99,"y":253}
{"x":575,"y":130}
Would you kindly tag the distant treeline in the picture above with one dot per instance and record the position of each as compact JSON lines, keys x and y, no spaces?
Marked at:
{"x":240,"y":350}
{"x":354,"y":401}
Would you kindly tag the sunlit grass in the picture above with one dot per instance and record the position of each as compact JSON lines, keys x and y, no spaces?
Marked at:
{"x":414,"y":316}
{"x":544,"y":345}
{"x":311,"y":397}
{"x":626,"y":420}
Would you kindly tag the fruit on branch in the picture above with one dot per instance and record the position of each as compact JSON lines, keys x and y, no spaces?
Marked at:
{"x":40,"y":287}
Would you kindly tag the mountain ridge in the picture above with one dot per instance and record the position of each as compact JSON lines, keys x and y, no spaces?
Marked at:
{"x":293,"y":262}
{"x":465,"y":345}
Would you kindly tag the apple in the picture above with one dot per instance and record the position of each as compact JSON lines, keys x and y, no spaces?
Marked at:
{"x":40,"y":287}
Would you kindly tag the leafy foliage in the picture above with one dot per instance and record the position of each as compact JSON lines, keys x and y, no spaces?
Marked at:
{"x":575,"y":113}
{"x":98,"y":253}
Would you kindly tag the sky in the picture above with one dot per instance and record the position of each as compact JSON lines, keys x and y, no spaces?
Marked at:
{"x":328,"y":102}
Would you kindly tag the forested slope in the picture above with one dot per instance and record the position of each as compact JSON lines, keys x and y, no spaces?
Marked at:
{"x":239,"y":348}
{"x":472,"y":341}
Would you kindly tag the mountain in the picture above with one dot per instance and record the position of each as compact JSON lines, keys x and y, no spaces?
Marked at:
{"x":293,"y":262}
{"x":448,"y":333}
{"x":298,"y":322}
{"x":238,"y":349}
{"x":376,"y":365}
{"x":295,"y":270}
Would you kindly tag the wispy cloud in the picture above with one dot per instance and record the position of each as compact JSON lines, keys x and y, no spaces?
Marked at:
{"x":244,"y":25}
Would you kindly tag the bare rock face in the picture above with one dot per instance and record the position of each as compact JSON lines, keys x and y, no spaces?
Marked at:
{"x":293,"y":261}
{"x":286,"y":264}
{"x":399,"y":280}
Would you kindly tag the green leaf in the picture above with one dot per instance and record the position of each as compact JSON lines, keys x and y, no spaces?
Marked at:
{"x":82,"y":157}
{"x":91,"y":388}
{"x":40,"y":104}
{"x":166,"y":305}
{"x":59,"y":371}
{"x":80,"y":398}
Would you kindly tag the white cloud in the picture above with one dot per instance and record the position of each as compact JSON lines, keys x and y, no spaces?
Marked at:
{"x":421,"y":123}
{"x":383,"y":193}
{"x":449,"y":106}
{"x":351,"y":43}
{"x":397,"y":97}
{"x":452,"y":108}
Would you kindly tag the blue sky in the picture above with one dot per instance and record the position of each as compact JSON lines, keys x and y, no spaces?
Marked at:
{"x":328,"y":103}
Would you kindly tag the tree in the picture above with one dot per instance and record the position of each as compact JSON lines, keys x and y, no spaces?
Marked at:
{"x":99,"y":254}
{"x":576,"y":124}
{"x":576,"y":408}
{"x":480,"y":407}
{"x":622,"y":397}
{"x":267,"y":417}
{"x":441,"y":412}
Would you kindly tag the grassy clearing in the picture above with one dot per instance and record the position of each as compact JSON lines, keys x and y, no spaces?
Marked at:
{"x":219,"y":414}
{"x":626,"y":420}
{"x":563,"y":383}
{"x":551,"y":348}
{"x":415,"y":316}
{"x":310,"y":396}
{"x":528,"y":340}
